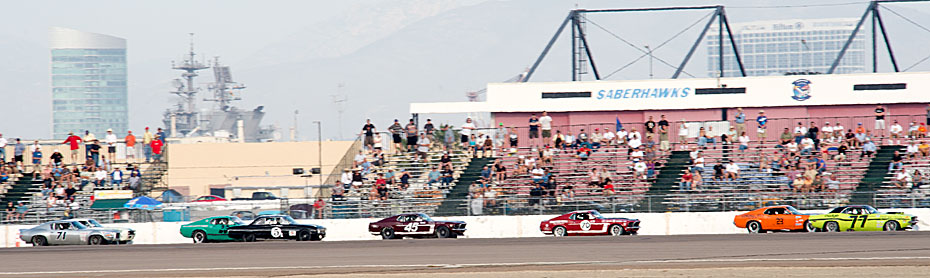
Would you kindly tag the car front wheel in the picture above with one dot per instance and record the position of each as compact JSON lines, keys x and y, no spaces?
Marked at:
{"x":249,"y":237}
{"x":616,"y":230}
{"x":303,"y":235}
{"x":95,"y":240}
{"x":891,"y":225}
{"x":443,"y":232}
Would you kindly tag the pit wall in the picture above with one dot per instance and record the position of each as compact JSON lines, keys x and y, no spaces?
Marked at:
{"x":478,"y":226}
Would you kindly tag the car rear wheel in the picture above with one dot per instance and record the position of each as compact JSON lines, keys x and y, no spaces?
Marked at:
{"x":95,"y":240}
{"x":303,"y":235}
{"x":616,"y":230}
{"x":558,"y":231}
{"x":387,"y":233}
{"x":891,"y":225}
{"x":754,"y":227}
{"x":443,"y":232}
{"x":249,"y":237}
{"x":808,"y":227}
{"x":831,"y":226}
{"x":39,"y":241}
{"x":199,"y":236}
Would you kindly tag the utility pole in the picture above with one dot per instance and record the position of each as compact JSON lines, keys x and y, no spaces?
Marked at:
{"x":649,"y":51}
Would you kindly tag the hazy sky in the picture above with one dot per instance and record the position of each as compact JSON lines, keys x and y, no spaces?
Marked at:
{"x":266,"y":42}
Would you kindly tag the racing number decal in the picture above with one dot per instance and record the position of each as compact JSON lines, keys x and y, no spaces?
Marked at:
{"x":585,"y":225}
{"x":412,"y":227}
{"x":61,"y":235}
{"x":862,"y":218}
{"x":276,"y":232}
{"x":780,"y":221}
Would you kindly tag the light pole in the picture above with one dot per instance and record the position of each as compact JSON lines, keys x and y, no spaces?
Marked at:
{"x":649,"y":51}
{"x":810,"y":60}
{"x":319,"y":141}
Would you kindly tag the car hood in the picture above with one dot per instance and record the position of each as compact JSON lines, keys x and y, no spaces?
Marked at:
{"x":449,"y":222}
{"x":619,"y":219}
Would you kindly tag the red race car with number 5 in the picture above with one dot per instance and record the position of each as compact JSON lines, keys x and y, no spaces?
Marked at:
{"x":588,"y":223}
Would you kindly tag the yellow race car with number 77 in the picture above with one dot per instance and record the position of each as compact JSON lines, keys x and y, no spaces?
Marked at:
{"x":861,"y":218}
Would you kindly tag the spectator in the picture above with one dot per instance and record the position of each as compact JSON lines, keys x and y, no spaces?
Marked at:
{"x":687,"y":179}
{"x":841,"y":152}
{"x":897,"y":132}
{"x":608,"y":138}
{"x":534,"y":127}
{"x":868,"y":149}
{"x":147,"y":139}
{"x":762,"y":122}
{"x":922,"y":131}
{"x":318,"y":206}
{"x":411,"y":132}
{"x":903,"y":180}
{"x":538,"y":174}
{"x":545,"y":123}
{"x":57,"y":157}
{"x":838,"y":131}
{"x":512,"y":135}
{"x":396,"y":130}
{"x":100,"y":177}
{"x":719,"y":169}
{"x":94,"y":148}
{"x":583,"y":153}
{"x":924,"y":148}
{"x":161,"y":135}
{"x":743,"y":141}
{"x":135,"y":180}
{"x":74,"y":142}
{"x":807,"y":146}
{"x":130,"y":147}
{"x":10,"y":212}
{"x":640,"y":168}
{"x":698,"y":163}
{"x":448,"y":138}
{"x":831,"y":184}
{"x":486,"y":173}
{"x":683,"y":134}
{"x":447,"y":177}
{"x":912,"y":150}
{"x":157,"y":145}
{"x":650,"y":127}
{"x":381,"y":192}
{"x":896,"y":163}
{"x":429,"y":129}
{"x":740,"y":120}
{"x":338,"y":192}
{"x":36,"y":151}
{"x":732,"y":171}
{"x":432,"y":177}
{"x":358,"y":159}
{"x":346,"y":178}
{"x":369,"y":131}
{"x":799,"y":132}
{"x":110,"y":139}
{"x":18,"y":150}
{"x":813,"y":132}
{"x":116,"y":178}
{"x":912,"y":130}
{"x":500,"y":171}
{"x":467,"y":129}
{"x":663,"y":134}
{"x":608,"y":189}
{"x":404,"y":180}
{"x":785,"y":137}
{"x":880,"y":119}
{"x":89,"y":139}
{"x":827,"y":131}
{"x":378,"y":143}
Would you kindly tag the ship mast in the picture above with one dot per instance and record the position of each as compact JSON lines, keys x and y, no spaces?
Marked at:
{"x":186,"y":113}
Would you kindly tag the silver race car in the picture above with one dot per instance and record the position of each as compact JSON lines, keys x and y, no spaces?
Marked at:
{"x":67,"y":232}
{"x":125,"y":234}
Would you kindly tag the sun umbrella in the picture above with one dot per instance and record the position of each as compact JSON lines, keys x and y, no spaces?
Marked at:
{"x":143,"y":202}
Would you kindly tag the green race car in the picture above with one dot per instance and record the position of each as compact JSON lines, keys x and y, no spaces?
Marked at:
{"x":211,"y":229}
{"x":861,"y":218}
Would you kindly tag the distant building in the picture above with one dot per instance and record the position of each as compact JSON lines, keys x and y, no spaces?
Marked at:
{"x":88,"y":83}
{"x":778,"y":47}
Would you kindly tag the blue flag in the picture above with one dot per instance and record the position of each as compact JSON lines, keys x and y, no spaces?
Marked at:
{"x":619,"y":125}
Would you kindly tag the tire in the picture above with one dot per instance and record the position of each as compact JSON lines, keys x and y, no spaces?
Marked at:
{"x":39,"y":241}
{"x":831,"y":226}
{"x":616,"y":230}
{"x":891,"y":226}
{"x":808,"y":227}
{"x":95,"y":240}
{"x":558,"y":231}
{"x":303,"y":235}
{"x":754,"y":227}
{"x":388,"y":233}
{"x":248,"y":237}
{"x":443,"y":232}
{"x":199,"y":236}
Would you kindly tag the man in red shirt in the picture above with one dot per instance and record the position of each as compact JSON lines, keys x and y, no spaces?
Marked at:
{"x":318,"y":207}
{"x":156,"y":147}
{"x":75,"y":142}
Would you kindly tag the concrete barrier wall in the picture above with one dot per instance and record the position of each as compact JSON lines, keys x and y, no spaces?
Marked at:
{"x":478,"y":226}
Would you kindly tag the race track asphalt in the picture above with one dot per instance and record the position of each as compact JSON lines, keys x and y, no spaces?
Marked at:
{"x":274,"y":258}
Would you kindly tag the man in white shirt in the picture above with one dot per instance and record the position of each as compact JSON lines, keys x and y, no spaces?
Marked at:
{"x":637,"y":154}
{"x":827,"y":131}
{"x":545,"y":123}
{"x":467,"y":127}
{"x":914,"y":130}
{"x":792,"y":147}
{"x":698,"y":164}
{"x":683,"y":134}
{"x":111,"y":144}
{"x":633,"y":133}
{"x":423,"y":144}
{"x":621,"y":136}
{"x":912,"y":149}
{"x":3,"y":143}
{"x":640,"y":167}
{"x":732,"y":171}
{"x":807,"y":145}
{"x":608,"y":137}
{"x":838,"y":131}
{"x":896,"y":132}
{"x":537,"y":174}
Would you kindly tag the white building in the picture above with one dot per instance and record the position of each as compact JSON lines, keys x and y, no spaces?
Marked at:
{"x":794,"y":45}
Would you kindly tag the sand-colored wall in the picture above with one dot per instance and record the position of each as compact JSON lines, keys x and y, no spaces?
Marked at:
{"x":193,"y":168}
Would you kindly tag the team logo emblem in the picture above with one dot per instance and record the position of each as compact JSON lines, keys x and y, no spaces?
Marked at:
{"x":802,"y":89}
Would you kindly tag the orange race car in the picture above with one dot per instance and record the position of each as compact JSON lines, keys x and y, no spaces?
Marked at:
{"x":774,"y":218}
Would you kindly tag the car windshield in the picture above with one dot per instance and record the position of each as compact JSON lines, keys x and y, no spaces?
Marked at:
{"x":236,"y":220}
{"x":424,"y":217}
{"x":793,"y":210}
{"x":75,"y":225}
{"x":596,"y":215}
{"x":870,"y":210}
{"x":838,"y":210}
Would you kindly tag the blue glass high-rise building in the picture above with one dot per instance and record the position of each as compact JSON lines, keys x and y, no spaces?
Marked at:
{"x":89,"y":89}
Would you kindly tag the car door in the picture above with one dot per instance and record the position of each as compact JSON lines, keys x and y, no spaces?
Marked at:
{"x":768,"y":219}
{"x":857,"y":219}
{"x":261,"y":227}
{"x":406,"y":225}
{"x":597,"y":224}
{"x":579,"y":222}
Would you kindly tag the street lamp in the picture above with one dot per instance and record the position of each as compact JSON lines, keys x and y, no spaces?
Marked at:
{"x":319,"y":141}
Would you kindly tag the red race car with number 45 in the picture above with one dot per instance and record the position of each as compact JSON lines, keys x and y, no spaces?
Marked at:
{"x":415,"y":225}
{"x":588,"y":223}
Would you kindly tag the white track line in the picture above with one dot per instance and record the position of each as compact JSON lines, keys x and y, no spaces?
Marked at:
{"x":775,"y":259}
{"x":293,"y":267}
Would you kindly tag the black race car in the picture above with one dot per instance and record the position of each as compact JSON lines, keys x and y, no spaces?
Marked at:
{"x":277,"y":227}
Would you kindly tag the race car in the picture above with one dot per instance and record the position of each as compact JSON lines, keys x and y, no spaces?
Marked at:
{"x":211,"y":229}
{"x":276,"y":227}
{"x":588,"y":223}
{"x":415,"y":225}
{"x":773,"y":218}
{"x":126,"y":235}
{"x":67,"y":232}
{"x":862,"y":218}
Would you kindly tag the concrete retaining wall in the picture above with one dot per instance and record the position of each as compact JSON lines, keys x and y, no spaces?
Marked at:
{"x":478,"y":226}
